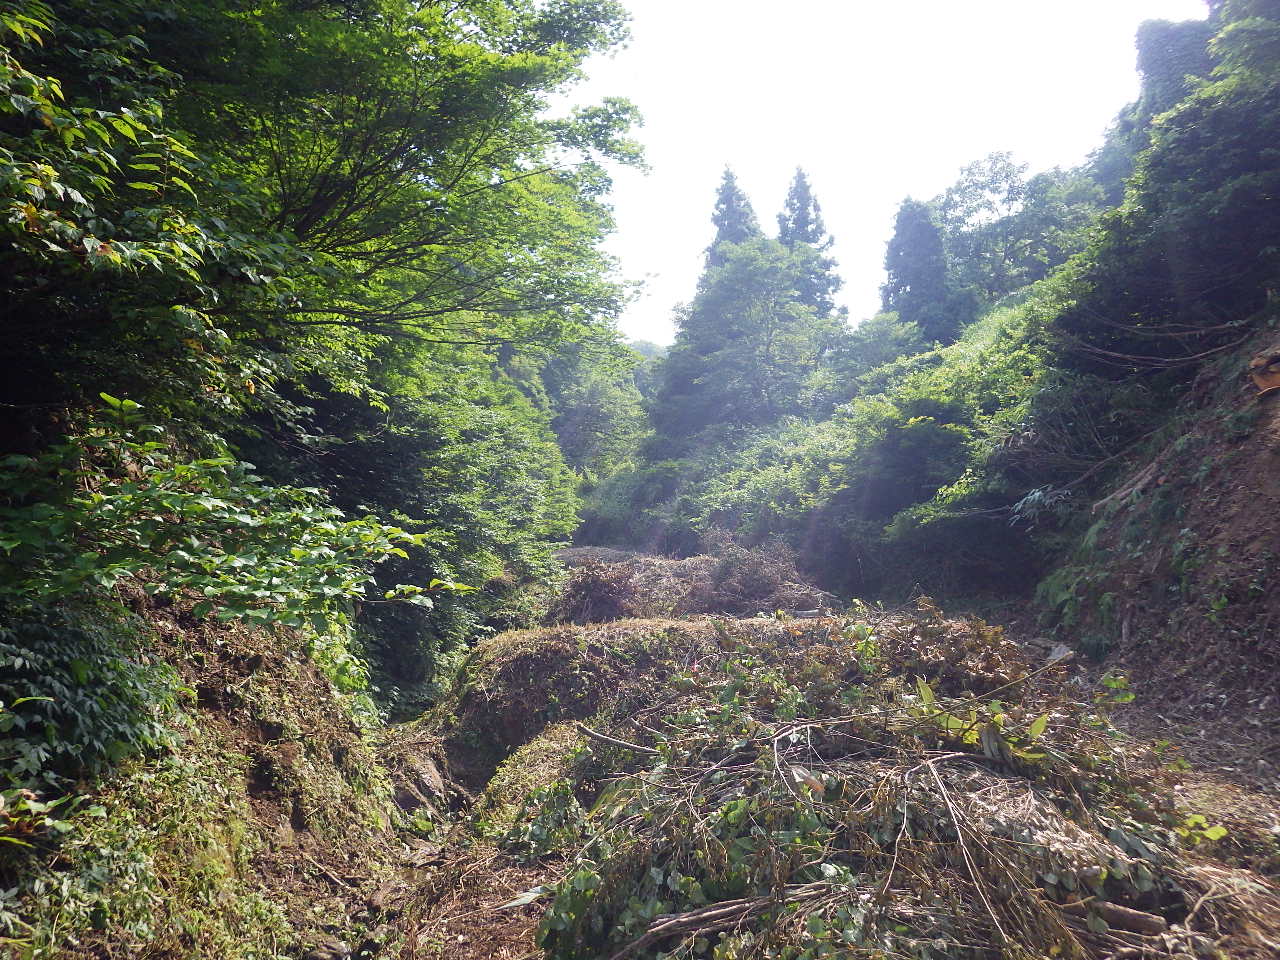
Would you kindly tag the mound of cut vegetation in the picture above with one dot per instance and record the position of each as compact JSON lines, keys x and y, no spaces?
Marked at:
{"x":883,"y":785}
{"x":611,"y":585}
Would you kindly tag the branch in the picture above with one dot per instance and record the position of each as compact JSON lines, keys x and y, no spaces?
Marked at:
{"x":610,"y":741}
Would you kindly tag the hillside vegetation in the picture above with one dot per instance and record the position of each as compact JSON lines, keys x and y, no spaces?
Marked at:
{"x":312,"y":377}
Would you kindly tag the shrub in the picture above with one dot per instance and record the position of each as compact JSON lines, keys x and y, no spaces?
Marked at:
{"x":92,"y":696}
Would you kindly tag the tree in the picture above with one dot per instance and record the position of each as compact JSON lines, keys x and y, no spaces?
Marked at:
{"x":393,"y":162}
{"x":874,"y":342}
{"x":1179,"y":271}
{"x":801,"y":218}
{"x":918,"y":287}
{"x":1171,"y":56}
{"x":326,"y":236}
{"x":800,"y":222}
{"x":1059,"y":207}
{"x":734,"y":219}
{"x":748,"y":346}
{"x":975,"y":215}
{"x":595,"y":403}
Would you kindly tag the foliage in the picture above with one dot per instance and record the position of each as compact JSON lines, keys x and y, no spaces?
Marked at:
{"x":109,"y":271}
{"x":598,"y":418}
{"x":81,"y":693}
{"x":800,"y":222}
{"x":466,"y":459}
{"x":733,"y":217}
{"x":247,"y":221}
{"x":748,"y":344}
{"x":126,"y":507}
{"x":919,"y":287}
{"x":1064,"y":334}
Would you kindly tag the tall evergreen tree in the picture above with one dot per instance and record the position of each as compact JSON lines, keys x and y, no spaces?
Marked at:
{"x":748,"y":347}
{"x":801,"y":218}
{"x":917,"y":286}
{"x":735,"y":220}
{"x":800,"y":222}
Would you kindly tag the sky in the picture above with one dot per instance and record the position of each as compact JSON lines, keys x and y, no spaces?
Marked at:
{"x":877,"y":101}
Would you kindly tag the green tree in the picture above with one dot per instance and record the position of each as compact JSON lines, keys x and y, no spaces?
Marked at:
{"x":748,"y":346}
{"x":734,"y":218}
{"x":801,"y":218}
{"x":595,"y":402}
{"x":371,"y":169}
{"x":975,"y":215}
{"x":1171,"y":57}
{"x":1059,"y":207}
{"x":918,"y":287}
{"x":339,"y":237}
{"x":800,"y":222}
{"x":874,"y":342}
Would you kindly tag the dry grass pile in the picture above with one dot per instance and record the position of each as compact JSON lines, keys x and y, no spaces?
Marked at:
{"x":735,"y":582}
{"x":858,"y":788}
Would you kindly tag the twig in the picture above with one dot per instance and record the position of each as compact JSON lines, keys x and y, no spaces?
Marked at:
{"x":612,"y":742}
{"x":1123,"y":918}
{"x":964,"y":852}
{"x":716,"y":916}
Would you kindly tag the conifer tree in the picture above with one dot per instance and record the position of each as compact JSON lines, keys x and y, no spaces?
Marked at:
{"x":748,"y":347}
{"x":734,"y":219}
{"x":800,"y":222}
{"x":801,"y":217}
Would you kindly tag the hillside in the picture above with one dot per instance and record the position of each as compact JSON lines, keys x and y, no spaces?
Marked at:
{"x":365,"y":593}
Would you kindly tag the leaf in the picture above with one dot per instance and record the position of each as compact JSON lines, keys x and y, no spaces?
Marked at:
{"x":925,"y":691}
{"x":526,"y":898}
{"x":123,"y":128}
{"x":1038,"y":726}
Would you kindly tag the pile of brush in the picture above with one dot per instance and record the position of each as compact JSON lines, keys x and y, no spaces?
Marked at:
{"x":736,"y":581}
{"x":885,"y":786}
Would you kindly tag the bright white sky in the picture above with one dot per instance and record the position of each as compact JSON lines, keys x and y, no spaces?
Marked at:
{"x":876,"y":100}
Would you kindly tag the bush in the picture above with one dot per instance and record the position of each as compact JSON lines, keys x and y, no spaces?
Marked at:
{"x":92,"y":695}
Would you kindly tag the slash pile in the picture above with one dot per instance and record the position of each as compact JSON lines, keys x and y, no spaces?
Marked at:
{"x":881,"y":786}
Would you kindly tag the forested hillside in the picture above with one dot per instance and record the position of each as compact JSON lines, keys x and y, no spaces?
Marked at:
{"x":312,"y":373}
{"x":1041,"y":337}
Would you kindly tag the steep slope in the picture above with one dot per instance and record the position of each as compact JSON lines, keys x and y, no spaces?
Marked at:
{"x":1175,"y":577}
{"x":263,"y":828}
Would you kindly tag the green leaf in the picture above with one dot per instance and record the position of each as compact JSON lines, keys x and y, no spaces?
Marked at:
{"x":123,"y":128}
{"x":1038,"y":726}
{"x":925,"y":691}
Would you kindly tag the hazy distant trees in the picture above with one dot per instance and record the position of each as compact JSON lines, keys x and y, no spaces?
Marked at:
{"x":918,"y":285}
{"x":749,"y":344}
{"x":800,"y":224}
{"x":734,"y":219}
